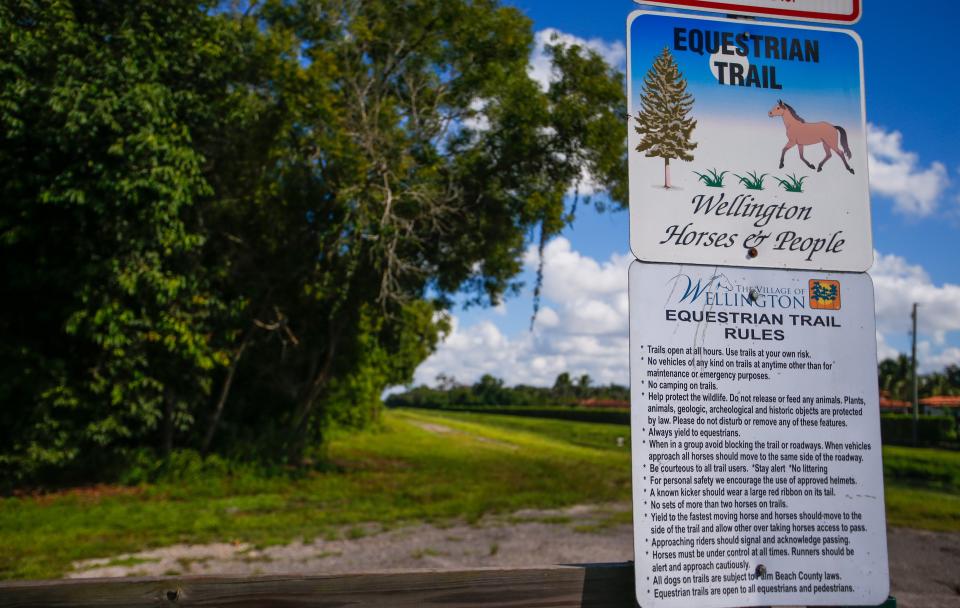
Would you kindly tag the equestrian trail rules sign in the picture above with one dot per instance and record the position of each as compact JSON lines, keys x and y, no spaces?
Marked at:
{"x":747,"y":144}
{"x":757,"y":477}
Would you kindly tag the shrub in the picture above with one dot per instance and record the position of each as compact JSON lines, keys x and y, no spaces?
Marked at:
{"x":609,"y":416}
{"x":897,"y":429}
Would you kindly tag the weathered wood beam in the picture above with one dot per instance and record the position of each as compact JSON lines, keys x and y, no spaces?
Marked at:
{"x":586,"y":586}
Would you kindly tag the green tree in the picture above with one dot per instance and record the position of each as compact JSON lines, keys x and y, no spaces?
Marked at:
{"x":952,"y":379}
{"x":895,"y":378}
{"x":489,"y":390}
{"x":107,"y":327}
{"x":226,"y":229}
{"x":663,"y":122}
{"x":563,"y":388}
{"x":379,"y":185}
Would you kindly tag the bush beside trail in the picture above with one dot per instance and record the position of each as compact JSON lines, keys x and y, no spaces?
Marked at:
{"x":897,"y":429}
{"x":576,"y":414}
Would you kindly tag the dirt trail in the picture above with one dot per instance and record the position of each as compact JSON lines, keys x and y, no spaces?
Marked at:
{"x":574,"y":535}
{"x":924,"y":566}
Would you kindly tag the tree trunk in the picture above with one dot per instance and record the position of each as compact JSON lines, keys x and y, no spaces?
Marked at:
{"x":666,"y":173}
{"x":166,"y":428}
{"x":224,"y":393}
{"x":301,"y":424}
{"x":317,"y":385}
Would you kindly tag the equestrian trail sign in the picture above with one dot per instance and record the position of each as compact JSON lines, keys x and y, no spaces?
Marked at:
{"x":826,"y":11}
{"x":747,"y":144}
{"x":757,"y":477}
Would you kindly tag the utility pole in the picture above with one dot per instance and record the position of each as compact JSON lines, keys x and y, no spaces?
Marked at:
{"x":913,"y":374}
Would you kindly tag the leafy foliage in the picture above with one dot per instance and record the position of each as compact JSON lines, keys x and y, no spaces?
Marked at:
{"x":895,"y":378}
{"x":108,"y":335}
{"x":489,"y":390}
{"x":226,"y":229}
{"x":897,"y":429}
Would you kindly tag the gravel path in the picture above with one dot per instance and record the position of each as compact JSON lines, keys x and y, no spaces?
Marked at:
{"x":924,"y":566}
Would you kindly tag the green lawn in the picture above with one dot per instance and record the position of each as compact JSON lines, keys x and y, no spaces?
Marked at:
{"x":922,"y":488}
{"x":461,"y":465}
{"x":467,"y":467}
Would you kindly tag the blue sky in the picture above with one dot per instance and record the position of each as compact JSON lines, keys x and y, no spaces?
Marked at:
{"x":911,"y":89}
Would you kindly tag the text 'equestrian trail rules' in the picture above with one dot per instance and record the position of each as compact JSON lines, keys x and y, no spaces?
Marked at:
{"x":757,"y":476}
{"x":747,"y":144}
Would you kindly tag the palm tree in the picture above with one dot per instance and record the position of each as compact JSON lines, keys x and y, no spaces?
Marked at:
{"x":894,"y":378}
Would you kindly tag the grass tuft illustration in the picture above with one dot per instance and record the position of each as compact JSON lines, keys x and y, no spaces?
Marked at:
{"x":791,"y":183}
{"x":712,"y":178}
{"x":751,"y":180}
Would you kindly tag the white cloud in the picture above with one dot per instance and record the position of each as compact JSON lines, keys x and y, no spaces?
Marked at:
{"x":931,"y":358}
{"x":588,"y":185}
{"x":547,"y":317}
{"x":581,"y":328}
{"x":540,"y":67}
{"x":884,"y":350}
{"x":896,"y":173}
{"x":570,"y":275}
{"x":478,"y":120}
{"x":898,"y":285}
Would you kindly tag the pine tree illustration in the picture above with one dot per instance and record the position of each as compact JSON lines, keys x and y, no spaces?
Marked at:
{"x":663,"y":121}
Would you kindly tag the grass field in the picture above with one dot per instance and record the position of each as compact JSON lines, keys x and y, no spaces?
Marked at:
{"x":922,"y":488}
{"x":401,"y":472}
{"x":419,"y":466}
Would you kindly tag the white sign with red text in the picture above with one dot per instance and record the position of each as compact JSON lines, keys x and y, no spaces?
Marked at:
{"x":826,"y":11}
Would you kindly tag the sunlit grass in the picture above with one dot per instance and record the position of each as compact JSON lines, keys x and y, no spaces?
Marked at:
{"x":418,"y":466}
{"x":911,"y":507}
{"x":400,"y":472}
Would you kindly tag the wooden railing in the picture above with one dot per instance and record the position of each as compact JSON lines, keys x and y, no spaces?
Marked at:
{"x":593,"y":586}
{"x":582,"y":586}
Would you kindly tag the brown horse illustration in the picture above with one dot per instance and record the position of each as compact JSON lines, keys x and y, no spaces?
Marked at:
{"x":801,"y":133}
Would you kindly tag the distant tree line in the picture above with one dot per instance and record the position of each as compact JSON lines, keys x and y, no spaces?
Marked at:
{"x":489,"y":390}
{"x":896,"y":380}
{"x":893,"y":376}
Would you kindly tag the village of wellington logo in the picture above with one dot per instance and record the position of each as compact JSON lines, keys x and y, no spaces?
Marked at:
{"x":824,"y":294}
